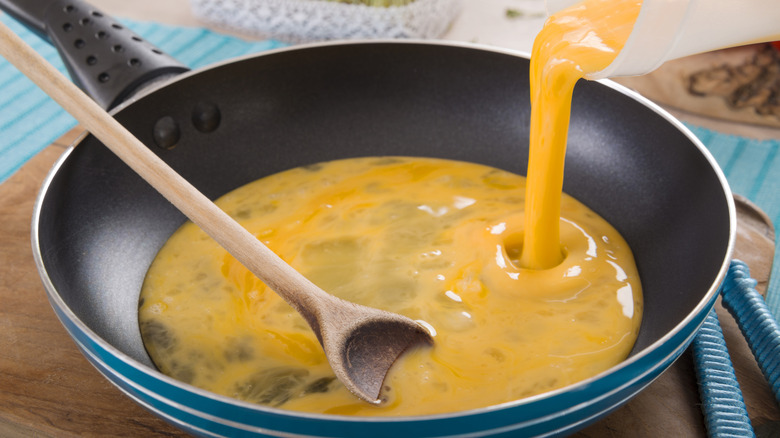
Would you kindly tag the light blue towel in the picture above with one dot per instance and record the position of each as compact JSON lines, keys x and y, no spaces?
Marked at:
{"x":30,"y":120}
{"x":752,"y":168}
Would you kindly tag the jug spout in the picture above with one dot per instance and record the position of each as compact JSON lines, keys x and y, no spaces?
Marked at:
{"x":671,"y":29}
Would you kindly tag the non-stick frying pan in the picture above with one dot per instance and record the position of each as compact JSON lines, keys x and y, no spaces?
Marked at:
{"x":97,"y":226}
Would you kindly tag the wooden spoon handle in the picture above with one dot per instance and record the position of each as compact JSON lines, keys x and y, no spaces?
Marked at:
{"x":263,"y":262}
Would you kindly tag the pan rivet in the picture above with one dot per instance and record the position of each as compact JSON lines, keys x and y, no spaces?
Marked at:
{"x":91,"y":60}
{"x":67,"y":27}
{"x":79,"y":43}
{"x":103,"y":77}
{"x":166,"y":132}
{"x":70,"y":8}
{"x":206,"y":117}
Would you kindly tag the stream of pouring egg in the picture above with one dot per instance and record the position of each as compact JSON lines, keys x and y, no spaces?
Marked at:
{"x":574,"y":42}
{"x":522,"y":302}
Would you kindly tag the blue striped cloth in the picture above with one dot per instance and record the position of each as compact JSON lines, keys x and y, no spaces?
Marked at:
{"x":752,"y":168}
{"x":29,"y":120}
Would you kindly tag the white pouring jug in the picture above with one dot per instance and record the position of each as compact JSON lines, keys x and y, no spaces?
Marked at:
{"x":670,"y":29}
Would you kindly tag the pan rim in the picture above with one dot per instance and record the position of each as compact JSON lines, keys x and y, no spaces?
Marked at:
{"x":705,"y":303}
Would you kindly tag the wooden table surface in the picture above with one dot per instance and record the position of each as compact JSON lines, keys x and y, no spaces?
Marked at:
{"x":47,"y":388}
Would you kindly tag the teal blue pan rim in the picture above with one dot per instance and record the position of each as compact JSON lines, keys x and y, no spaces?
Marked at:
{"x":207,"y":414}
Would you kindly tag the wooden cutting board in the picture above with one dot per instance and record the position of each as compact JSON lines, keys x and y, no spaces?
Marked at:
{"x":739,"y":84}
{"x":48,"y":389}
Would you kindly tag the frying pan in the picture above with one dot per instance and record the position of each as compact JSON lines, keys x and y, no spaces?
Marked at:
{"x":97,"y":226}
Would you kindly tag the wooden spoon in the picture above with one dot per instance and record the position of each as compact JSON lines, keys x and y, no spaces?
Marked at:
{"x":360,"y":343}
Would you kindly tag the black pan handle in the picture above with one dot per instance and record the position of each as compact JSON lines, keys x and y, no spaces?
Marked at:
{"x":105,"y":59}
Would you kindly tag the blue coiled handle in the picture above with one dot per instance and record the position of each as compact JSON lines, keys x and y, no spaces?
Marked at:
{"x":756,"y":322}
{"x":725,"y":414}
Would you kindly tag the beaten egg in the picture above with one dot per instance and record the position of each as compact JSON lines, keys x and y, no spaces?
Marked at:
{"x":525,"y":289}
{"x":435,"y":240}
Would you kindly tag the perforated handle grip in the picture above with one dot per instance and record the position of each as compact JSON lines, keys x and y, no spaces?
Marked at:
{"x":105,"y":59}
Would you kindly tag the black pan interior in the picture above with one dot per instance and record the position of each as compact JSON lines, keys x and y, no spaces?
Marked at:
{"x":101,"y":225}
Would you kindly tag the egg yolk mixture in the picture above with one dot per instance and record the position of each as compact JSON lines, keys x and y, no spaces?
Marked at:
{"x":525,"y":289}
{"x":573,"y":43}
{"x":435,"y":240}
